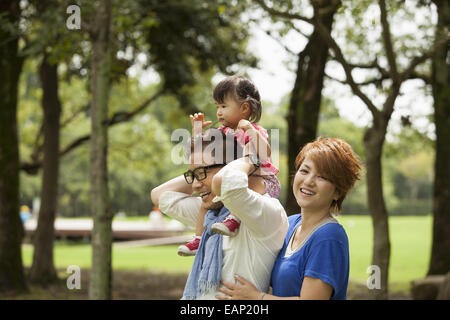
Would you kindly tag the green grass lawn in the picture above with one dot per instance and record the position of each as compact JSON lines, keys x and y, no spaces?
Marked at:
{"x":410,"y":248}
{"x":410,"y":252}
{"x":160,"y":258}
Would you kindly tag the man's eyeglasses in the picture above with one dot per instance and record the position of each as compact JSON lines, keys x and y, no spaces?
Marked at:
{"x":199,"y":173}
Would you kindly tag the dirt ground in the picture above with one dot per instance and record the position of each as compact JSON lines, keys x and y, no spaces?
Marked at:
{"x":145,"y":285}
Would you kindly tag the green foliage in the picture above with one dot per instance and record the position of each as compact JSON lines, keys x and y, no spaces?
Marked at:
{"x":186,"y":43}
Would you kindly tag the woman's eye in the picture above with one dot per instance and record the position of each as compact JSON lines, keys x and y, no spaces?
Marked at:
{"x":303,"y":171}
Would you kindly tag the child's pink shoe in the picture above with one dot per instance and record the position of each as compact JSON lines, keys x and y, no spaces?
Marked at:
{"x":227,"y":227}
{"x":190,"y":248}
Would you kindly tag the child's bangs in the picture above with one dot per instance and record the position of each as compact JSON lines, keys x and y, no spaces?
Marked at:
{"x":222,"y":89}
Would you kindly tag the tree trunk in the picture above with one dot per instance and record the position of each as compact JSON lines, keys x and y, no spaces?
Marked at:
{"x":440,"y":252}
{"x":43,"y":269}
{"x":304,"y":105}
{"x":11,"y":231}
{"x":100,"y":281}
{"x":373,"y":145}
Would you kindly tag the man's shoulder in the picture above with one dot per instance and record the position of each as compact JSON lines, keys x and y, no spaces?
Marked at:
{"x":278,"y":210}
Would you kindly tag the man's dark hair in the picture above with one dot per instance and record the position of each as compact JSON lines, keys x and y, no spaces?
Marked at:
{"x":224,"y":148}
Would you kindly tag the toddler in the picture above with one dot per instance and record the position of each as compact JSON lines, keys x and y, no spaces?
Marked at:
{"x":238,"y":109}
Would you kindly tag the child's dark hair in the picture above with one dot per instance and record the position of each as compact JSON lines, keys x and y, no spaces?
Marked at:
{"x":243,"y":90}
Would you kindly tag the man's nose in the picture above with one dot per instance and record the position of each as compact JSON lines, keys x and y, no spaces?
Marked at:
{"x":196,"y":184}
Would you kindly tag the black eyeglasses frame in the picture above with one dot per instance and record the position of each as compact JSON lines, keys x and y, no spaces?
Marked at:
{"x":191,"y":173}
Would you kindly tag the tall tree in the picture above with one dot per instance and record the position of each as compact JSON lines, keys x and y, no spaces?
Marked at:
{"x":374,"y":136}
{"x":306,"y":95}
{"x":43,"y":270}
{"x":100,"y":281}
{"x":53,"y":43}
{"x":440,"y":79}
{"x":11,"y":231}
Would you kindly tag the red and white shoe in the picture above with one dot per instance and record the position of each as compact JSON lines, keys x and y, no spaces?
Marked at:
{"x":227,"y":227}
{"x":190,"y":248}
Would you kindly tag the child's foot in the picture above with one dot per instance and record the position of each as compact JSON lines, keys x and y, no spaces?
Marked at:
{"x":228,"y":227}
{"x":190,"y":248}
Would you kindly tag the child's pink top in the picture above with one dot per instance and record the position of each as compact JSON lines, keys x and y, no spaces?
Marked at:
{"x":243,"y":138}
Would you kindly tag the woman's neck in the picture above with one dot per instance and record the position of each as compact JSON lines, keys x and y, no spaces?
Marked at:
{"x":310,"y":218}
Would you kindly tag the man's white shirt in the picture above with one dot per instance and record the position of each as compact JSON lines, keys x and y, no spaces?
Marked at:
{"x":251,"y":253}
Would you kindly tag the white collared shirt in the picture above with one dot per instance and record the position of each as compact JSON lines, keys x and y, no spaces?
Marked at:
{"x":251,"y":253}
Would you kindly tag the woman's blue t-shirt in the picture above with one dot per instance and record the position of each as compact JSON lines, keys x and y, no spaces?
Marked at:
{"x":325,"y":256}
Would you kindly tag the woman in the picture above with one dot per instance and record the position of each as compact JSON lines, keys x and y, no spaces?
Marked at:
{"x":314,"y":260}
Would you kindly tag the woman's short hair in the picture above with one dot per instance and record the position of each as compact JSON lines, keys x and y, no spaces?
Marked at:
{"x":336,"y":161}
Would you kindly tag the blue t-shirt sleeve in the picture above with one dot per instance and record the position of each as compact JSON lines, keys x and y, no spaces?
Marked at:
{"x":328,"y":261}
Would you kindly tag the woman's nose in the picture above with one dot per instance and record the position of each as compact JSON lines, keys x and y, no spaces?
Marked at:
{"x":309,"y":180}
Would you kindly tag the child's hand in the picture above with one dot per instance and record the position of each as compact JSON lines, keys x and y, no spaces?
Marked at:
{"x":198,"y":123}
{"x":244,"y":125}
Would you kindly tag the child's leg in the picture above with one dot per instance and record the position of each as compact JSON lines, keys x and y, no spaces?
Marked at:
{"x":256,"y":183}
{"x":199,"y":227}
{"x":230,"y":226}
{"x":273,"y":186}
{"x":190,"y":248}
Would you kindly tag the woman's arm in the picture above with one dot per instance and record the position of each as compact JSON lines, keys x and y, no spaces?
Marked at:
{"x":312,"y":289}
{"x":177,"y":184}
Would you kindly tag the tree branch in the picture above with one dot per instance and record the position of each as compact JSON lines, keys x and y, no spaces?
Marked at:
{"x":278,"y":13}
{"x":325,"y":34}
{"x":118,"y":117}
{"x":375,"y":81}
{"x":410,"y":70}
{"x":387,"y":40}
{"x":278,"y":40}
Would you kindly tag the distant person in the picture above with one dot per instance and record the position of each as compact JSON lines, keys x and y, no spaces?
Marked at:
{"x":156,"y":218}
{"x":238,"y":110}
{"x":25,"y":213}
{"x":314,"y":260}
{"x":222,"y":188}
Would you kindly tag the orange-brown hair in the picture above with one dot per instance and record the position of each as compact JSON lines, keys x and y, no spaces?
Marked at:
{"x":336,"y":161}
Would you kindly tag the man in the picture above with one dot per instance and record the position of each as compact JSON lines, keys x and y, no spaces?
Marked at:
{"x":223,"y":188}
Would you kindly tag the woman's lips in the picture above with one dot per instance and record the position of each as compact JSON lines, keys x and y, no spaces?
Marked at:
{"x":307,"y":192}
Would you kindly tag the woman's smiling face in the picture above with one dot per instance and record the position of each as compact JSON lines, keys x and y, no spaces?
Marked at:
{"x":313,"y":191}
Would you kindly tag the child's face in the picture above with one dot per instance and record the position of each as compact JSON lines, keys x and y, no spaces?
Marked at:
{"x":229,"y":113}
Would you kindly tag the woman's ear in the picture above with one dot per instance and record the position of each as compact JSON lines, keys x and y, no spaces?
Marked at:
{"x":336,"y":195}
